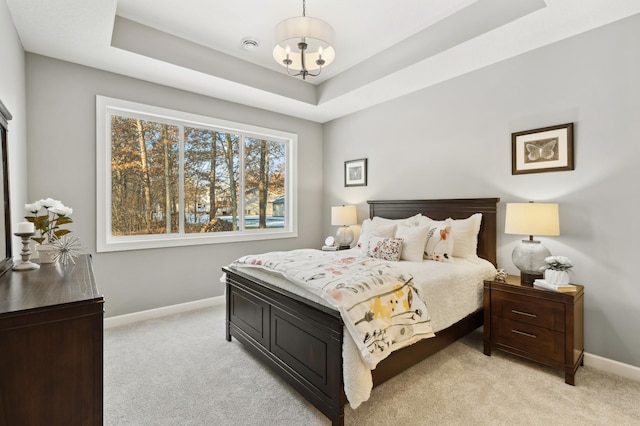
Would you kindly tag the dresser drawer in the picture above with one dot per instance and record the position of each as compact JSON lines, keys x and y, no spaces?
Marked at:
{"x":516,"y":307}
{"x":529,"y":338}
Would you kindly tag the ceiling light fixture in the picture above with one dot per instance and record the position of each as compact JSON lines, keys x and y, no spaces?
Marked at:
{"x":313,"y":39}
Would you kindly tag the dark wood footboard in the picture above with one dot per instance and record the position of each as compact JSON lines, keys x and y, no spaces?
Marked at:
{"x":301,"y":341}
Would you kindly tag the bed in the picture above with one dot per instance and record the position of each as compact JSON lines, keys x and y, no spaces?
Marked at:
{"x":302,"y":340}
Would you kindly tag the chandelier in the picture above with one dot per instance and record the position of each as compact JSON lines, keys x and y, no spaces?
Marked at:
{"x":303,"y":45}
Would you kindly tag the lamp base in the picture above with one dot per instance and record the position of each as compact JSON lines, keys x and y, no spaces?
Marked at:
{"x":344,"y":237}
{"x":528,"y":256}
{"x":528,"y":279}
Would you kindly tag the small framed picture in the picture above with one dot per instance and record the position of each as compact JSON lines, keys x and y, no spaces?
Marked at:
{"x":549,"y":149}
{"x":355,"y":172}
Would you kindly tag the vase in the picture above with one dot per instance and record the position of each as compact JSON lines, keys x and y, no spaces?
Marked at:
{"x":556,"y":277}
{"x":47,"y":253}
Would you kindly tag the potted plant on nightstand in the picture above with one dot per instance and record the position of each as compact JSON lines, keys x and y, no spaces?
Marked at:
{"x":556,"y":271}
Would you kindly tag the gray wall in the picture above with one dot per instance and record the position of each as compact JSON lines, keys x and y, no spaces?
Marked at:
{"x":13,"y":94}
{"x":453,"y":141}
{"x":62,"y":159}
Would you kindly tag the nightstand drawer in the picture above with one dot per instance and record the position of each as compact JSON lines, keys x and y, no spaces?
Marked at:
{"x":516,"y":307}
{"x":529,"y":338}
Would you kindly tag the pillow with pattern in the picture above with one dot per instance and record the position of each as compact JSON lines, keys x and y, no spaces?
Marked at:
{"x":378,"y":229}
{"x":439,"y":246}
{"x":384,"y":248}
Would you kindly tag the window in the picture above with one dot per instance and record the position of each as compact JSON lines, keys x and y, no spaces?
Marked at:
{"x":169,"y":178}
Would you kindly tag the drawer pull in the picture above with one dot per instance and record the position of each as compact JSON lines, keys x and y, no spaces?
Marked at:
{"x":526,"y":314}
{"x":523,"y":333}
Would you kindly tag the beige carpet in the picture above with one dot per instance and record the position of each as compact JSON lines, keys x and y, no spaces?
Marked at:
{"x":179,"y":370}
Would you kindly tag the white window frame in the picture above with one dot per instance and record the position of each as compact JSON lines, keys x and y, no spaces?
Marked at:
{"x":106,"y":241}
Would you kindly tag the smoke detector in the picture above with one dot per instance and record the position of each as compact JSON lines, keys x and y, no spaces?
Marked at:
{"x":250,"y":44}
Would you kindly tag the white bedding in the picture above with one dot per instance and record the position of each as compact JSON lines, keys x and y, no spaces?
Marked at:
{"x":451,"y":291}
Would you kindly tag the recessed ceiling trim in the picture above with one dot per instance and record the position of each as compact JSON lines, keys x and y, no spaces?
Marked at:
{"x":466,"y":24}
{"x":143,"y":40}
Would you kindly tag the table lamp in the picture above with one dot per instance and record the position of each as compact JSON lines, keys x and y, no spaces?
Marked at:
{"x":344,"y":216}
{"x":531,"y":219}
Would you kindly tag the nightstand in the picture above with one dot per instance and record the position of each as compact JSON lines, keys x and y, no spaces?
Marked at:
{"x":540,"y":325}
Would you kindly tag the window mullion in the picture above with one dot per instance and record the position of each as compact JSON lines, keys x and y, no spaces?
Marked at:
{"x":181,"y":211}
{"x":242,"y":183}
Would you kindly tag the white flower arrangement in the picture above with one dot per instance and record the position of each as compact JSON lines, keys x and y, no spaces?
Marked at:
{"x":48,"y":224}
{"x":557,"y":263}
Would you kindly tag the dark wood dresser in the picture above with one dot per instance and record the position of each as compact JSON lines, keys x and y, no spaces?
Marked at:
{"x":541,"y":325}
{"x":51,"y":343}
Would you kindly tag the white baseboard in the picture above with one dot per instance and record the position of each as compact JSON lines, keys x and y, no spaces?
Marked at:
{"x":613,"y":367}
{"x":120,"y":320}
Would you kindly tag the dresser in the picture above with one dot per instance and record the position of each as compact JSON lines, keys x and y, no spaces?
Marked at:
{"x":540,"y":325}
{"x":51,"y":346}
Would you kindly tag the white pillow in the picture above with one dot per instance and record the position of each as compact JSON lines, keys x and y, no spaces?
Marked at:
{"x":377,"y":221}
{"x":409,"y":221}
{"x":414,"y":239}
{"x":465,"y":236}
{"x":440,"y":244}
{"x":364,"y":231}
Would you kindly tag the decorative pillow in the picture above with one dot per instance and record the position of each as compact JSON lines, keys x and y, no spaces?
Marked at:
{"x":377,"y":228}
{"x":439,"y":246}
{"x":465,"y":236}
{"x":414,"y":239}
{"x":384,"y":248}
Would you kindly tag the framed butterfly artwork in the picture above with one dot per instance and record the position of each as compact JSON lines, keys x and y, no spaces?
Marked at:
{"x":355,"y":172}
{"x":549,"y":149}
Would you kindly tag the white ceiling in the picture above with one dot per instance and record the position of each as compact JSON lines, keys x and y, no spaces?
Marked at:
{"x":384,"y":48}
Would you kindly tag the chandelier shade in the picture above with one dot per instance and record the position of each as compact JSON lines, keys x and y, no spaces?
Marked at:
{"x":304,"y":44}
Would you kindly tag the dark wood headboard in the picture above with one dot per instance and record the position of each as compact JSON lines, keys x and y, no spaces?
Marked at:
{"x":442,"y":209}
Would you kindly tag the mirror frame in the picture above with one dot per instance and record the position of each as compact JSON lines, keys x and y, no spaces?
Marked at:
{"x":6,"y":262}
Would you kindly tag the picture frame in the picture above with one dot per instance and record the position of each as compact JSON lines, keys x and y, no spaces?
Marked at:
{"x":355,"y":172}
{"x":548,"y":149}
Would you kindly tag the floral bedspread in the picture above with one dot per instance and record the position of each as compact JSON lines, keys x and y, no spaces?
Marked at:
{"x":379,"y":304}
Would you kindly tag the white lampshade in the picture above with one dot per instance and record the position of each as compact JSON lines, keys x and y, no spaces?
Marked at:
{"x":532,"y":219}
{"x":343,"y":216}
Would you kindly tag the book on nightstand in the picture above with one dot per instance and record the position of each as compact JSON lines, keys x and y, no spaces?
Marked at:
{"x":330,"y":248}
{"x":564,"y":288}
